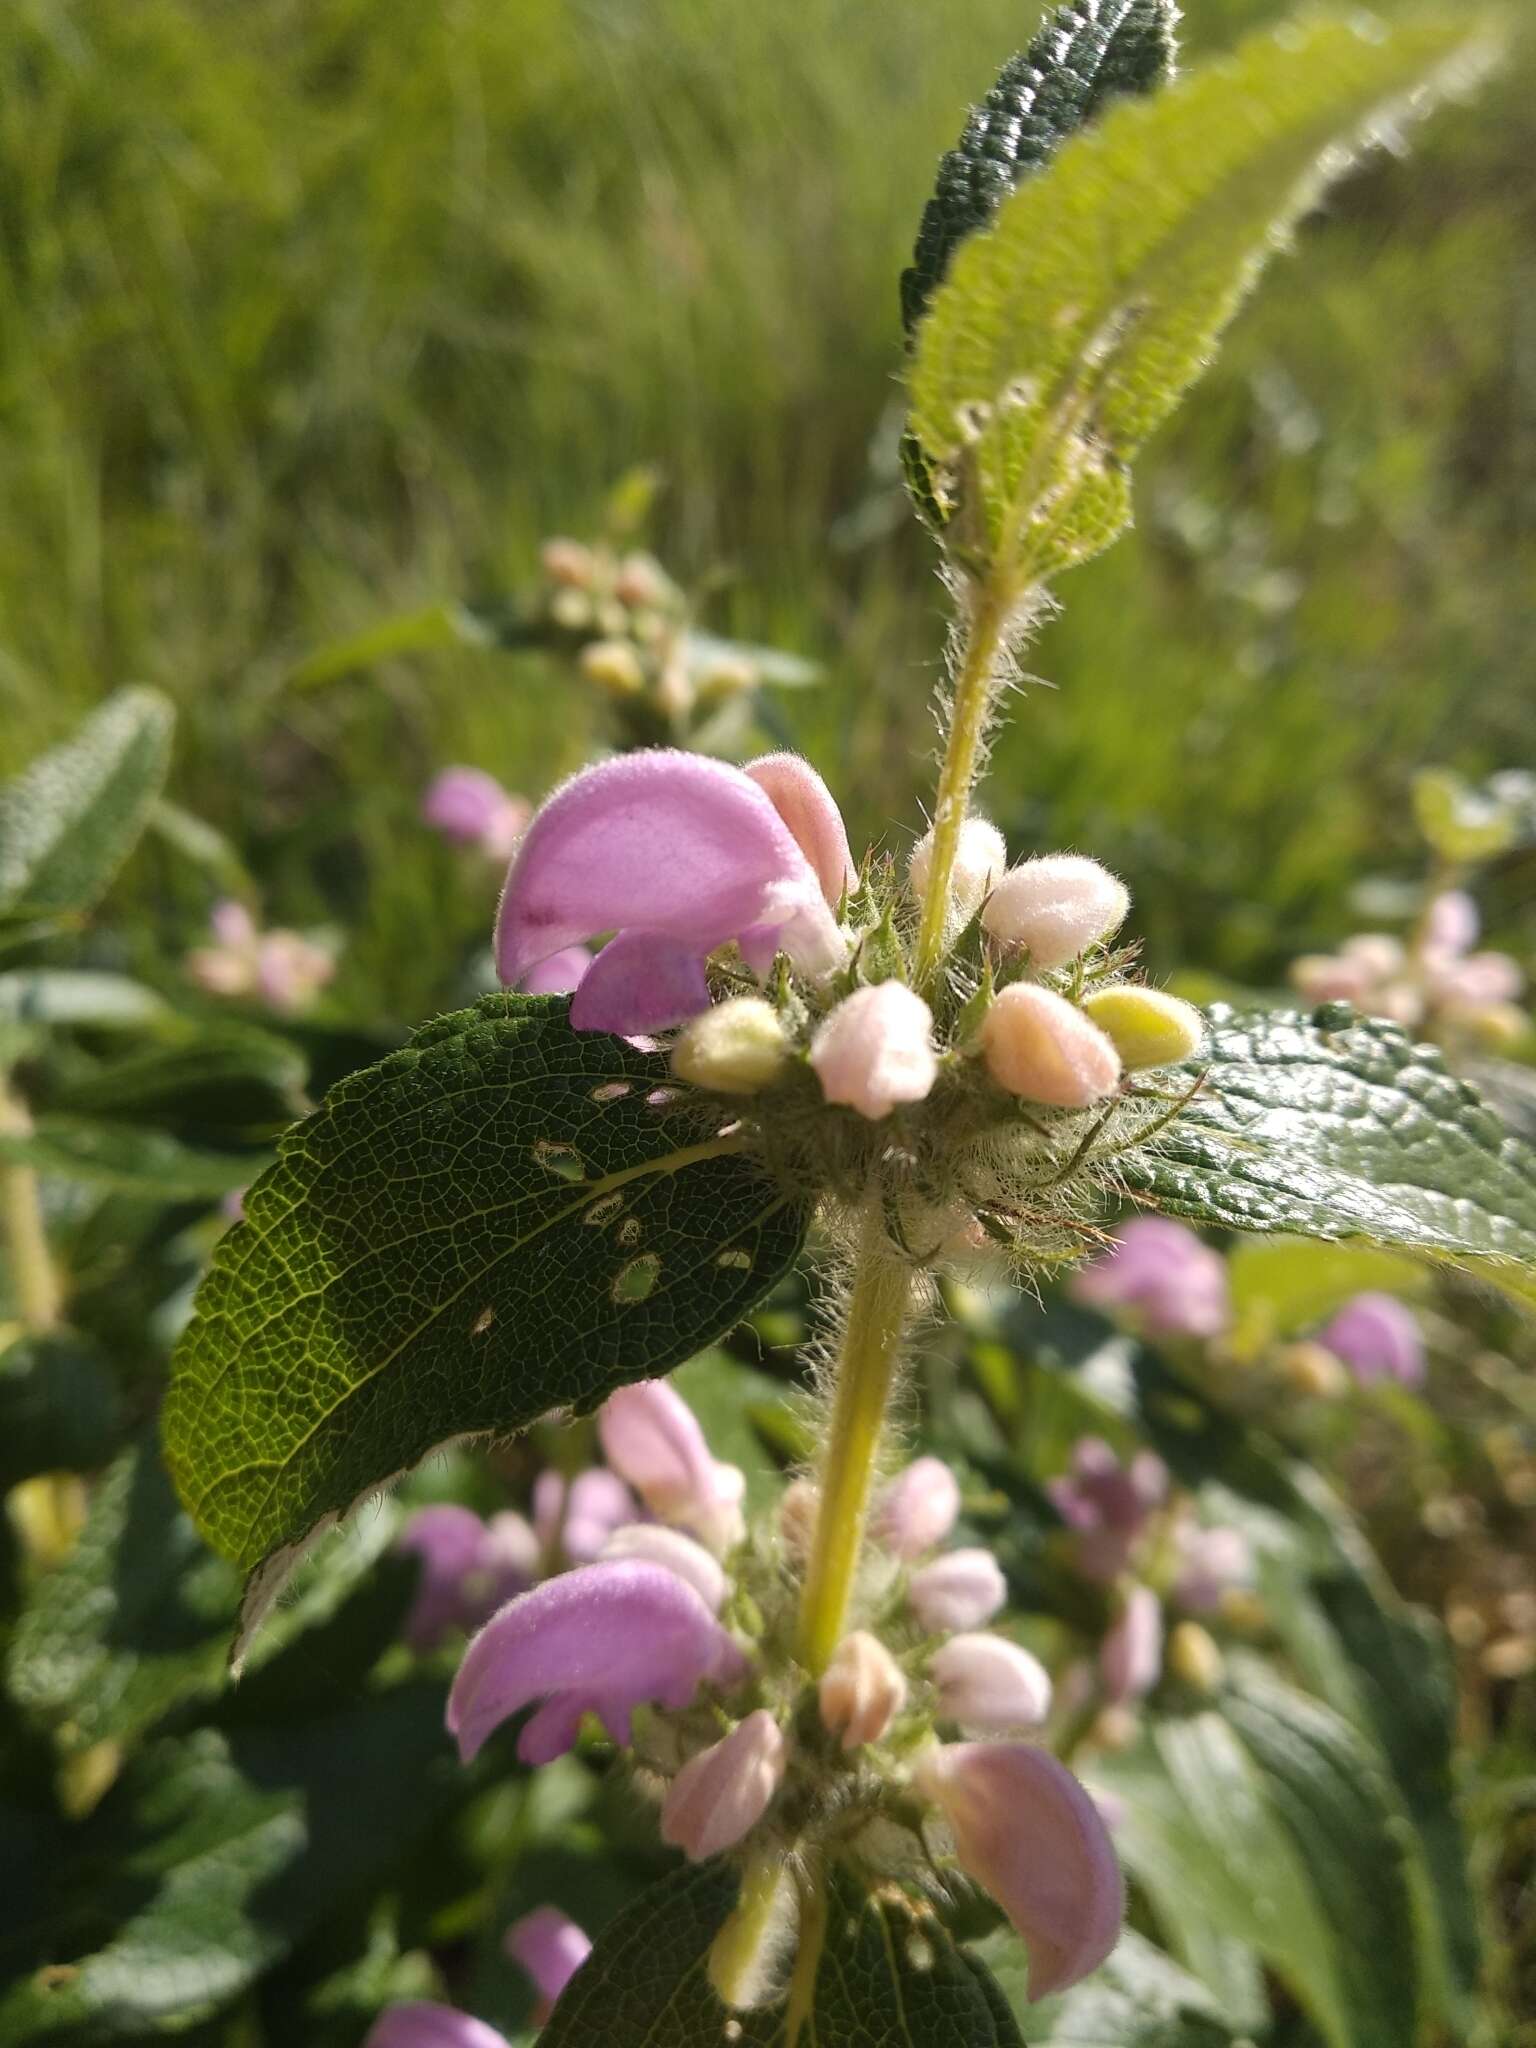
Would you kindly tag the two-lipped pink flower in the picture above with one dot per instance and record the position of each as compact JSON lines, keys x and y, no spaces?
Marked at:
{"x":1160,"y":1270}
{"x":676,"y":855}
{"x":602,"y":1640}
{"x":468,"y":1567}
{"x":1107,"y":1505}
{"x":574,"y":1517}
{"x":652,"y":1438}
{"x":470,"y":808}
{"x":1378,"y":1338}
{"x":1029,"y":1834}
{"x":280,"y":968}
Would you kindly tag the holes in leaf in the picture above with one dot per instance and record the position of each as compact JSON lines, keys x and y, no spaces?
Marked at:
{"x":663,"y":1098}
{"x":603,"y":1210}
{"x":564,"y":1161}
{"x":611,"y":1091}
{"x":735,"y":1260}
{"x":482,"y":1322}
{"x":919,"y":1952}
{"x":732,"y":2030}
{"x":629,"y":1231}
{"x":637,"y":1280}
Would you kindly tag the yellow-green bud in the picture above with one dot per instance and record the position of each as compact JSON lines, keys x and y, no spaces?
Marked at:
{"x":1312,"y":1370}
{"x":1194,"y":1657}
{"x":735,"y":1048}
{"x":1147,"y":1027}
{"x":614,"y":666}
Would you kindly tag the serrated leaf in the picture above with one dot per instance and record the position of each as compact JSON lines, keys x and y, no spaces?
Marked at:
{"x":1335,"y":1125}
{"x":59,"y":1407}
{"x":504,"y":1218}
{"x":1067,"y":333}
{"x":69,"y":821}
{"x":888,"y":1977}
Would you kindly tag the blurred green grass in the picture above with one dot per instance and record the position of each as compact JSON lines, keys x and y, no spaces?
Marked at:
{"x":313,"y":311}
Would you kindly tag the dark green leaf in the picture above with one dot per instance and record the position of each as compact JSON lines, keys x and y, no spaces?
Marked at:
{"x":59,"y":1407}
{"x":47,"y":996}
{"x":504,"y":1218}
{"x":889,"y":1977}
{"x":70,"y":821}
{"x":132,"y":1160}
{"x":1335,"y":1126}
{"x":229,"y":1078}
{"x":1138,"y":1999}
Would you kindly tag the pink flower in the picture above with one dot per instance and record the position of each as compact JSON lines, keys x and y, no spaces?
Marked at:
{"x":1451,"y":925}
{"x":651,"y":1436}
{"x":468,"y":1567}
{"x":1174,"y":1283}
{"x":677,"y":855}
{"x":721,"y":1794}
{"x":284,"y":969}
{"x":861,"y":1691}
{"x":805,"y":804}
{"x":551,"y":1948}
{"x":1039,"y":1046}
{"x":1378,"y":1339}
{"x":559,"y":974}
{"x":918,"y":1509}
{"x":989,"y":1685}
{"x":675,"y":1552}
{"x":601,"y":1640}
{"x":423,"y":2024}
{"x":575,"y":1517}
{"x":1131,"y":1654}
{"x":1029,"y":1834}
{"x":291,"y":970}
{"x":1107,"y":1504}
{"x":1210,"y":1560}
{"x":961,"y":1589}
{"x":1056,"y":905}
{"x":876,"y":1050}
{"x":472,"y":809}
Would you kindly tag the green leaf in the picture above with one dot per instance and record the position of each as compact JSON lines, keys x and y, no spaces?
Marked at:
{"x":1280,"y":1285}
{"x":888,"y":1977}
{"x":1139,"y":1998}
{"x":47,"y":996}
{"x":229,"y":1078}
{"x":504,"y":1218}
{"x":1081,"y":57}
{"x":1338,"y":1126}
{"x":1067,"y":333}
{"x":128,"y":1159}
{"x":69,"y":821}
{"x":419,"y":632}
{"x":59,"y":1407}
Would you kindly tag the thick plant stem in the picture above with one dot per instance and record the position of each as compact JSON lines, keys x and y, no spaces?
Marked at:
{"x":962,"y":751}
{"x":34,"y":1280}
{"x":866,"y":1368}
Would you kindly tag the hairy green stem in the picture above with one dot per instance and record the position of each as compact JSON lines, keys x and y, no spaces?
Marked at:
{"x":34,"y":1279}
{"x":866,"y":1369}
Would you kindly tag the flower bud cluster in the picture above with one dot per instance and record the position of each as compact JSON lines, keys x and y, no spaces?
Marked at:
{"x":1436,"y":983}
{"x":281,"y":969}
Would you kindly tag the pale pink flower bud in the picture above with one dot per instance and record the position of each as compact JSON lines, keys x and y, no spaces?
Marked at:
{"x":1210,"y":1560}
{"x":815,"y":823}
{"x":678,"y":1553}
{"x":862,"y":1690}
{"x":1056,"y":905}
{"x":1479,"y":980}
{"x":1029,"y":1833}
{"x":232,"y":924}
{"x":1131,"y":1654}
{"x":798,"y":1510}
{"x":1380,"y":955}
{"x":1451,"y":923}
{"x":720,"y":1795}
{"x":962,"y":1589}
{"x":1328,"y":978}
{"x":876,"y":1050}
{"x":551,"y":1948}
{"x":652,"y":1437}
{"x":981,"y":860}
{"x":567,"y":561}
{"x":471,"y":808}
{"x":918,"y":1509}
{"x":291,"y":970}
{"x":989,"y":1685}
{"x":642,"y":581}
{"x":1038,"y":1045}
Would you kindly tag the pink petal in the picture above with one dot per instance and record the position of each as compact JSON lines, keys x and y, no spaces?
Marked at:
{"x":423,"y":2024}
{"x":1378,"y":1338}
{"x":559,"y":974}
{"x":1131,"y":1654}
{"x":641,"y":981}
{"x":464,"y":804}
{"x":807,"y":807}
{"x":550,"y":1947}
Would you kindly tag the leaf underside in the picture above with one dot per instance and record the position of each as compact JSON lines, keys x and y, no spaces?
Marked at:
{"x":504,"y":1218}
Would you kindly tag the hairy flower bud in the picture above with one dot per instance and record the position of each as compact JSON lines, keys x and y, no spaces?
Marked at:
{"x":1210,"y":1560}
{"x":962,"y":1589}
{"x":720,"y":1795}
{"x":1039,"y":1046}
{"x":1056,"y":905}
{"x":1146,"y":1026}
{"x":1312,"y":1370}
{"x":614,"y":666}
{"x":989,"y":1685}
{"x":918,"y":1509}
{"x":1131,"y":1654}
{"x":981,"y":860}
{"x":876,"y":1050}
{"x":862,"y":1690}
{"x":736,"y":1047}
{"x":1194,"y":1658}
{"x":798,"y":1508}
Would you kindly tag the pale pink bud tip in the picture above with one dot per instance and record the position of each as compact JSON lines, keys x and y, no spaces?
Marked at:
{"x":423,"y":2024}
{"x":1029,"y":1833}
{"x":876,"y":1050}
{"x":599,"y":1640}
{"x":1161,"y":1270}
{"x":720,"y":1795}
{"x":989,"y":1685}
{"x":1378,"y":1339}
{"x":675,"y":1552}
{"x":962,"y":1589}
{"x":1131,"y":1654}
{"x":918,"y":1509}
{"x":862,"y":1690}
{"x":981,"y":859}
{"x":1038,"y":1045}
{"x":810,"y":811}
{"x":1056,"y":905}
{"x":550,"y":1947}
{"x":652,"y":1437}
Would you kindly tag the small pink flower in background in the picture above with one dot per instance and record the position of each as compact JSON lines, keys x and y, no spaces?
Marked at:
{"x":551,"y":1948}
{"x":471,"y":808}
{"x":1211,"y":1561}
{"x":652,"y":1438}
{"x":961,"y":1589}
{"x":677,"y":855}
{"x":918,"y":1509}
{"x":1131,"y":1654}
{"x":1029,"y":1834}
{"x":1378,"y":1338}
{"x":1451,"y":926}
{"x":282,"y":969}
{"x":1161,"y":1271}
{"x":1107,"y":1505}
{"x":721,"y":1794}
{"x":468,"y":1568}
{"x":602,"y":1639}
{"x":989,"y":1685}
{"x":876,"y":1050}
{"x":423,"y":2024}
{"x":574,"y":1518}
